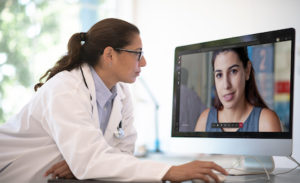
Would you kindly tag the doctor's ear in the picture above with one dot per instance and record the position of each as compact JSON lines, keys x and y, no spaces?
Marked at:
{"x":108,"y":55}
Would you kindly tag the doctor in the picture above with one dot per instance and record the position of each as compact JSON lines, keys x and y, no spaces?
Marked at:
{"x":77,"y":116}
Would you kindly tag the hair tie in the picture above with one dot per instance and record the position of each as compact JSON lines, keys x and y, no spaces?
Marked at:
{"x":82,"y":36}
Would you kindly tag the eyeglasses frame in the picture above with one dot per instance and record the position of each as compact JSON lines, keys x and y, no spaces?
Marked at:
{"x":141,"y":53}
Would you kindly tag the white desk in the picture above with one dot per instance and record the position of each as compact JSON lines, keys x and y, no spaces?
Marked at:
{"x":292,"y":177}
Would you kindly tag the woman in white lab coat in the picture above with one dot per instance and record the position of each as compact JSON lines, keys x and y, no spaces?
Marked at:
{"x":61,"y":123}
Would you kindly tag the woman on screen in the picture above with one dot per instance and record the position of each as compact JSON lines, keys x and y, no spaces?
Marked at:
{"x":237,"y":99}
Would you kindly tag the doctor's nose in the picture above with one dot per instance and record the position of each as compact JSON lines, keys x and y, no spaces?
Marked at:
{"x":143,"y":62}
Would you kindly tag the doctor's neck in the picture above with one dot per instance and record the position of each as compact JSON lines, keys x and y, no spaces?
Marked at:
{"x":106,"y":76}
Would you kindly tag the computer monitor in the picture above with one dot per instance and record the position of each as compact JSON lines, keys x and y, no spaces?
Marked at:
{"x":209,"y":84}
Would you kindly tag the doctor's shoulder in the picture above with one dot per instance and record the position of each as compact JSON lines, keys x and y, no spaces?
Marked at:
{"x":64,"y":81}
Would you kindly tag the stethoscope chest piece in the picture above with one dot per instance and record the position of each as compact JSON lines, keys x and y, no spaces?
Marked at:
{"x":120,"y":133}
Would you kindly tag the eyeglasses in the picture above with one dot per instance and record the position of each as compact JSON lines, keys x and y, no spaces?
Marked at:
{"x":140,"y":53}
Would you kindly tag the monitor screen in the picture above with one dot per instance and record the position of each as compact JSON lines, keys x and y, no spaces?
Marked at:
{"x":240,"y":87}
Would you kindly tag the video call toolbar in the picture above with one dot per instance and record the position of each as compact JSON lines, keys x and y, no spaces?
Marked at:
{"x":227,"y":125}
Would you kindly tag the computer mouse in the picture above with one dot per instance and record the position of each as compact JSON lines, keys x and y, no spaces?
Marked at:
{"x":222,"y":178}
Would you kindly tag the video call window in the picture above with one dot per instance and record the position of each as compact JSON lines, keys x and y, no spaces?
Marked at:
{"x":211,"y":81}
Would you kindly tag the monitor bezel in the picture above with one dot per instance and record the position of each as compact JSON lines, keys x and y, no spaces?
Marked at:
{"x":252,"y":39}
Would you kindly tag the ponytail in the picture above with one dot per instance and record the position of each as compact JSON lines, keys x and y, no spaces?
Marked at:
{"x":108,"y":32}
{"x":67,"y":62}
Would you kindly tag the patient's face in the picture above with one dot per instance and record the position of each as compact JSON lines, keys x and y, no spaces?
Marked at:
{"x":230,"y":79}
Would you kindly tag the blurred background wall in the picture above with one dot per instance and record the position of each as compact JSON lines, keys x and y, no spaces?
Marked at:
{"x":34,"y":35}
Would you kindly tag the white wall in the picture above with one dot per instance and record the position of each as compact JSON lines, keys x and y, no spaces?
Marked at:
{"x":166,"y":24}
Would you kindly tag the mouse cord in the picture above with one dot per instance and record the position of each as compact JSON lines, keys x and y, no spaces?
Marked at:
{"x":258,"y":162}
{"x":289,"y":157}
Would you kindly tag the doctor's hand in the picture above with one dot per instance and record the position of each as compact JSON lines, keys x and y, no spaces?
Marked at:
{"x":61,"y":170}
{"x":194,"y":170}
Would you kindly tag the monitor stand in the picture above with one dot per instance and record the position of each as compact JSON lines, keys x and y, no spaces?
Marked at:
{"x":252,"y":167}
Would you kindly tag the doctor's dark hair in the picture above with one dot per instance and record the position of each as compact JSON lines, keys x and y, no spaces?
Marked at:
{"x":108,"y":32}
{"x":251,"y":92}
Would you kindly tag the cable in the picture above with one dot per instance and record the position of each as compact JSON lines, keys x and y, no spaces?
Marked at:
{"x":292,"y":159}
{"x":246,"y":180}
{"x":247,"y":171}
{"x":289,"y":157}
{"x":258,"y":162}
{"x":287,"y":171}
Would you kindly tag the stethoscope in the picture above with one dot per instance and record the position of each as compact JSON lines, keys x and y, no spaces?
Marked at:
{"x":120,"y":132}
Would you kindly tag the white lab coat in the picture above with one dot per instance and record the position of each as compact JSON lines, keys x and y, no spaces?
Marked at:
{"x":58,"y":124}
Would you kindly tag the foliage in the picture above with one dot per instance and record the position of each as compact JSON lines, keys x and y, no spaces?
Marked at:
{"x":23,"y":30}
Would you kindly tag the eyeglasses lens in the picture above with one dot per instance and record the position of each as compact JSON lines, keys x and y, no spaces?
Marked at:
{"x":141,"y":55}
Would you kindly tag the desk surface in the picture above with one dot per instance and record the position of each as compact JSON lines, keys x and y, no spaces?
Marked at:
{"x":292,"y":177}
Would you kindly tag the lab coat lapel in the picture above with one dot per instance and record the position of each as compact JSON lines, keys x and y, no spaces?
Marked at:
{"x":115,"y":116}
